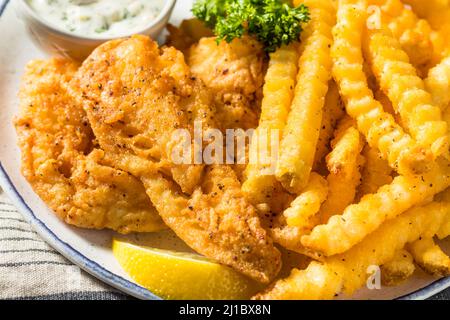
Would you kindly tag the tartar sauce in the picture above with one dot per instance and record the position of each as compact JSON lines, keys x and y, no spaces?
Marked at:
{"x":105,"y":18}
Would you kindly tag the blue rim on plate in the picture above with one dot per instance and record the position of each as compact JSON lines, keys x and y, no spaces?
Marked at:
{"x":112,"y":279}
{"x":67,"y":250}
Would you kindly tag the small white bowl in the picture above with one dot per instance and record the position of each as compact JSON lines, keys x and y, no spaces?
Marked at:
{"x":57,"y":41}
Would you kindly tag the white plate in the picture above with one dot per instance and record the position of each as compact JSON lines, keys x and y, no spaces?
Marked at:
{"x":91,"y":250}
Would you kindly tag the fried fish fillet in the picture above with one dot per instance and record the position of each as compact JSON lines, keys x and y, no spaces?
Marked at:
{"x":61,"y":164}
{"x":136,"y":96}
{"x":234,"y":72}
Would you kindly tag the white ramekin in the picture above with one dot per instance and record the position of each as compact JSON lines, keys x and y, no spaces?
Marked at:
{"x":57,"y":41}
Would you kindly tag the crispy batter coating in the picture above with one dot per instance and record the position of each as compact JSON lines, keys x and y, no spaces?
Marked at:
{"x":135,"y":100}
{"x":136,"y":95}
{"x":59,"y":161}
{"x":234,"y":73}
{"x":218,"y":222}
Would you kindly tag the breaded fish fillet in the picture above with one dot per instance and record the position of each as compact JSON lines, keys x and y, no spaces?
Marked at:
{"x":234,"y":73}
{"x":61,"y":165}
{"x":136,"y":95}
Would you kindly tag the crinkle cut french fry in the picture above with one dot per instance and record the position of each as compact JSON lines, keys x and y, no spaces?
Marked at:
{"x":380,"y":246}
{"x":438,"y":83}
{"x":415,"y":37}
{"x":290,"y":238}
{"x":430,"y":257}
{"x":387,"y":104}
{"x":344,"y":163}
{"x":358,"y":220}
{"x":350,"y":269}
{"x":414,"y":34}
{"x":446,"y":116}
{"x":302,"y":130}
{"x":299,"y":219}
{"x":316,"y":282}
{"x":278,"y":93}
{"x":406,"y":90}
{"x":376,"y":172}
{"x":437,"y":13}
{"x":302,"y":210}
{"x":444,"y":230}
{"x":379,"y":127}
{"x":399,"y":269}
{"x":333,"y":111}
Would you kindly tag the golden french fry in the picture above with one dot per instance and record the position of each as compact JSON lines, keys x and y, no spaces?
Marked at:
{"x":399,"y":80}
{"x":438,"y":83}
{"x":358,"y":220}
{"x":278,"y":93}
{"x":380,"y":246}
{"x":290,"y":238}
{"x":344,"y":163}
{"x":349,"y":271}
{"x":387,"y":104}
{"x":376,"y":172}
{"x":430,"y":257}
{"x":399,"y":269}
{"x":333,"y":111}
{"x":317,"y":282}
{"x":303,"y":209}
{"x":301,"y":216}
{"x":444,"y":230}
{"x":437,"y":13}
{"x":379,"y":127}
{"x":414,"y":34}
{"x":302,"y":130}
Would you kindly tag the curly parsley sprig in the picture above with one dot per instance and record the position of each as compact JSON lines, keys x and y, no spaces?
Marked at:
{"x":273,"y":22}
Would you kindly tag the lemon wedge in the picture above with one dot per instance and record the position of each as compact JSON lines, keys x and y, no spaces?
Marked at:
{"x":181,"y":276}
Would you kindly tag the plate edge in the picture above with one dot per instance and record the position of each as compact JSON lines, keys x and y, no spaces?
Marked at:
{"x":66,"y":249}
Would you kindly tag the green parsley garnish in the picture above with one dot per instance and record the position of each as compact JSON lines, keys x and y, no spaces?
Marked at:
{"x":273,"y":22}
